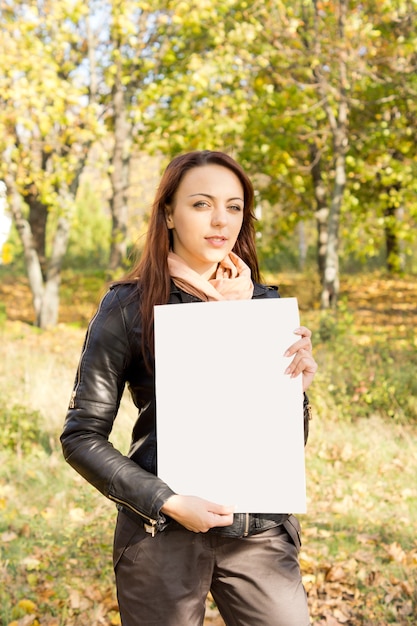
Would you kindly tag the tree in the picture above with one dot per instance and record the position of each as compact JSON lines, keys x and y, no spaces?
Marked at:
{"x":47,"y":129}
{"x":316,"y":68}
{"x":384,"y":159}
{"x":301,"y":112}
{"x":336,"y":106}
{"x":168,"y":85}
{"x":126,"y":56}
{"x":140,"y":51}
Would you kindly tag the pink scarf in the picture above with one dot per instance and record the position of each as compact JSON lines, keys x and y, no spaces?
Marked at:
{"x":232,"y":280}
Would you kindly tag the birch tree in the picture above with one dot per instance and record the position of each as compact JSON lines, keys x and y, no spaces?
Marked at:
{"x":47,"y":129}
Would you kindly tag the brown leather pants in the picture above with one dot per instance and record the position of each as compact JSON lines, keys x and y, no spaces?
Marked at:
{"x":164,"y":580}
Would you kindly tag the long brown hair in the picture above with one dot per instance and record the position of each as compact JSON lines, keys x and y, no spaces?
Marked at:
{"x":151,"y":270}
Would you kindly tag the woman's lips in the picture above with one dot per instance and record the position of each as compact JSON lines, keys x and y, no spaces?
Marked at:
{"x":216,"y":242}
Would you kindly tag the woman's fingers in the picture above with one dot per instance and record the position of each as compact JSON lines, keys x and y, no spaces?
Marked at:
{"x":303,"y":361}
{"x":303,"y":343}
{"x":197,"y":514}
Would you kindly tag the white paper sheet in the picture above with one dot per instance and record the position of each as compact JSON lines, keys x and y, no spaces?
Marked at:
{"x":229,"y":421}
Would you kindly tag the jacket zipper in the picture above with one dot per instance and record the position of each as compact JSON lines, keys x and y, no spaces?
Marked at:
{"x":150,"y":526}
{"x":246,"y":530}
{"x":78,"y":376}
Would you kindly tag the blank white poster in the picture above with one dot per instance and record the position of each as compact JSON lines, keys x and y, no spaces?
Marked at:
{"x":229,"y":421}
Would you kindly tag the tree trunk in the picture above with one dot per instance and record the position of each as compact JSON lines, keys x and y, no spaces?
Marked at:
{"x":32,"y":262}
{"x":50,"y":302}
{"x":45,"y":289}
{"x":331,"y":285}
{"x":302,"y":245}
{"x":38,"y":218}
{"x":119,"y":175}
{"x":393,"y":251}
{"x":322,"y":209}
{"x":338,"y":123}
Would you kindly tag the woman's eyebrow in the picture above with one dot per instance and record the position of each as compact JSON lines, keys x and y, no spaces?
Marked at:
{"x":207,"y":195}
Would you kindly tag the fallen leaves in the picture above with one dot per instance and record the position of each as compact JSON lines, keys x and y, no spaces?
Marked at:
{"x":354,"y":590}
{"x":359,"y":557}
{"x":395,"y":552}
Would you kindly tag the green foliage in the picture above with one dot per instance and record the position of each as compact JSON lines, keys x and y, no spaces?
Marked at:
{"x":22,"y":430}
{"x":89,"y":242}
{"x":335,"y":325}
{"x":186,"y":82}
{"x":3,"y":315}
{"x":362,"y":371}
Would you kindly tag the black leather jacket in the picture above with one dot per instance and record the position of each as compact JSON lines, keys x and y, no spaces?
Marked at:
{"x":111,"y":357}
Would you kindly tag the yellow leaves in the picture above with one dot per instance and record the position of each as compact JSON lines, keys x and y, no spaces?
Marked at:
{"x":31,"y":563}
{"x":366,"y":481}
{"x":343,"y":452}
{"x":263,"y":61}
{"x":342,"y":571}
{"x":44,"y":100}
{"x":77,"y":514}
{"x":115,"y":619}
{"x":163,"y":19}
{"x":396,"y":552}
{"x":76,"y":600}
{"x":352,"y":571}
{"x":182,"y":8}
{"x":27,"y":606}
{"x":333,"y":584}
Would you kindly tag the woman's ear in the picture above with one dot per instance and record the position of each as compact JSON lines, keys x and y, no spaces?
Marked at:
{"x":168,"y":217}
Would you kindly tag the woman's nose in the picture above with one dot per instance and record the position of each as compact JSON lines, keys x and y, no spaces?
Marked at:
{"x":219,"y":217}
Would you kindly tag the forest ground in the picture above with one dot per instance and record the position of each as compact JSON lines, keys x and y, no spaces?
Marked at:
{"x":359,"y":553}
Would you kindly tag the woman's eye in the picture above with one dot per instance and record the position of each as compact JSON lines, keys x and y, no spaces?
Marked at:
{"x":235,"y":207}
{"x":200,"y":204}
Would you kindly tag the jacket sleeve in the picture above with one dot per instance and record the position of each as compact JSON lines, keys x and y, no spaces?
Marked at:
{"x":94,"y":404}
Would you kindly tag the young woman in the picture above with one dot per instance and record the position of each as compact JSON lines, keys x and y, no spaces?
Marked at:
{"x":171,"y":550}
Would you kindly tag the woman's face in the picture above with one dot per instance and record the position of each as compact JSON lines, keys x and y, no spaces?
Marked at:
{"x":206,"y":217}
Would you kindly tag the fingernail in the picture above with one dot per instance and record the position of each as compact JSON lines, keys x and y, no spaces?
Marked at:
{"x":287,"y":353}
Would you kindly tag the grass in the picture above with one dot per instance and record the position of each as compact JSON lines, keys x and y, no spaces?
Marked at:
{"x":359,"y":556}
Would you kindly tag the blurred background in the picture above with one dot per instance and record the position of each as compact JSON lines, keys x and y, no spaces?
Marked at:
{"x":318,"y":101}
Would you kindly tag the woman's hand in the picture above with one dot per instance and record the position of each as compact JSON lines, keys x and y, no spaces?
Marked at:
{"x":303,"y":362}
{"x":196,"y":514}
